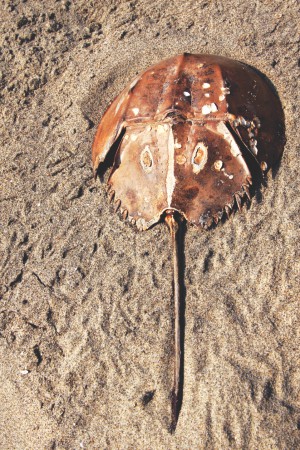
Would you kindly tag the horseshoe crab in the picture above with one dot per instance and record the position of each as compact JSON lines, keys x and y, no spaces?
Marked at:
{"x":187,"y":137}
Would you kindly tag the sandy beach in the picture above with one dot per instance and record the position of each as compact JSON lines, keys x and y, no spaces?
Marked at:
{"x":86,"y":312}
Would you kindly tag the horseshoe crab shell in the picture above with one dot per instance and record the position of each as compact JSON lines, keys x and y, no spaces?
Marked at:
{"x":188,"y":135}
{"x":192,"y":129}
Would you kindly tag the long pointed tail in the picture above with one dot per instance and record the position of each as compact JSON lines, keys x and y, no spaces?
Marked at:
{"x":177,"y":391}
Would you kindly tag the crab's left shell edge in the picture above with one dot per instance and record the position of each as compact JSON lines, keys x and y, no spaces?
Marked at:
{"x":109,"y":128}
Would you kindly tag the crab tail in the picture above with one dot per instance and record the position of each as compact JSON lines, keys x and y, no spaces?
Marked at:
{"x":174,"y":226}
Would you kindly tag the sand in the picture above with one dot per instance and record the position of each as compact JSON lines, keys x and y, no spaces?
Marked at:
{"x":86,"y":331}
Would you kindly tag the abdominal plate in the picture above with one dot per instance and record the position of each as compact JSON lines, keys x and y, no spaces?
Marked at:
{"x":140,"y":180}
{"x":212,"y":174}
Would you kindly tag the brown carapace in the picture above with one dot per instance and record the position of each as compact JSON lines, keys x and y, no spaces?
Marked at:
{"x":189,"y":134}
